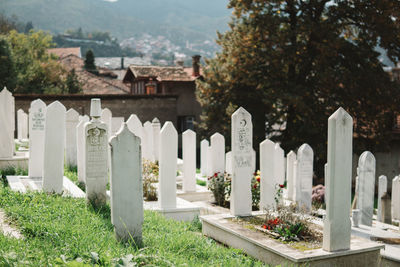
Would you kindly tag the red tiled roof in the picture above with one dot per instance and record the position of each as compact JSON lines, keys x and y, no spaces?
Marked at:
{"x":161,"y":73}
{"x":66,"y":51}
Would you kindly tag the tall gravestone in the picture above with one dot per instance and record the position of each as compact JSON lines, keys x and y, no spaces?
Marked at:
{"x":217,"y":153}
{"x":203,"y":157}
{"x":7,"y":122}
{"x":189,"y":161}
{"x":96,"y":156}
{"x":37,"y":116}
{"x":337,"y":224}
{"x":106,"y":117}
{"x":148,"y":141}
{"x":80,"y":148}
{"x":366,"y":187}
{"x":290,"y":159}
{"x":116,"y":123}
{"x":279,"y":167}
{"x":72,"y":120}
{"x":168,"y":166}
{"x":156,"y":138}
{"x":304,"y":176}
{"x":267,"y":183}
{"x":396,"y":198}
{"x":22,"y":125}
{"x":382,"y":189}
{"x":126,"y":189}
{"x":54,"y":147}
{"x":135,"y":126}
{"x":228,"y":162}
{"x":242,"y":163}
{"x":209,"y":160}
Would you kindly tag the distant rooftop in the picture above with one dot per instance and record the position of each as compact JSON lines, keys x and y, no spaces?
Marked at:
{"x":160,"y":73}
{"x":65,"y":51}
{"x":115,"y":62}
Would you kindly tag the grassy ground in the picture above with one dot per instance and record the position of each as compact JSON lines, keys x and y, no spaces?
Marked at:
{"x":66,"y":232}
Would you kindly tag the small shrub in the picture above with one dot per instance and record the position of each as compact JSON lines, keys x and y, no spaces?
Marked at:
{"x":150,"y":177}
{"x":219,"y":184}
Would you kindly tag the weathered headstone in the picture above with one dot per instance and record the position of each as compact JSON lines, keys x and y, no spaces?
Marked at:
{"x":167,"y":165}
{"x":203,"y":157}
{"x":135,"y":126}
{"x":37,"y":116}
{"x":116,"y":123}
{"x":106,"y":117}
{"x":156,"y":138}
{"x":22,"y":125}
{"x":147,"y":146}
{"x":7,"y":121}
{"x":291,"y":158}
{"x":337,"y":224}
{"x":267,"y":182}
{"x":386,"y":208}
{"x":189,"y":161}
{"x":96,"y":156}
{"x":228,"y":162}
{"x":54,"y":147}
{"x":382,"y":188}
{"x":304,"y":176}
{"x":72,"y":120}
{"x":366,"y":187}
{"x":396,"y":198}
{"x":279,"y":168}
{"x":217,"y":153}
{"x":80,"y":148}
{"x":242,"y":163}
{"x":126,"y":186}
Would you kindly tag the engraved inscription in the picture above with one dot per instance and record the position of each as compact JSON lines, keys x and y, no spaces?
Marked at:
{"x":38,"y":119}
{"x":306,"y":170}
{"x":96,"y":154}
{"x":243,"y":142}
{"x":243,"y":161}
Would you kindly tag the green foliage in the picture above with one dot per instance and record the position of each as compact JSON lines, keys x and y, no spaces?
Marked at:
{"x":293,"y":63}
{"x":72,"y":83}
{"x":201,"y":182}
{"x":150,"y":178}
{"x":7,"y":67}
{"x":66,"y":232}
{"x":89,"y":62}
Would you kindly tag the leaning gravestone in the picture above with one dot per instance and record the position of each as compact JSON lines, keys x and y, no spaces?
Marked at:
{"x":22,"y":125}
{"x":126,"y":186}
{"x":291,"y":158}
{"x":96,"y":156}
{"x":203,"y":157}
{"x":7,"y":121}
{"x":189,"y":161}
{"x":37,"y":116}
{"x":217,"y":153}
{"x":366,"y":187}
{"x":81,"y":147}
{"x":279,"y":167}
{"x":304,"y":176}
{"x":156,"y":138}
{"x":382,"y":188}
{"x":54,"y":146}
{"x":72,"y":120}
{"x":168,"y":166}
{"x":337,"y":224}
{"x":267,"y":183}
{"x":242,"y":163}
{"x":396,"y":198}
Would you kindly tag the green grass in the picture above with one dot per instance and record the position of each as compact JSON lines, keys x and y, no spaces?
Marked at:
{"x":197,"y":170}
{"x":201,"y":182}
{"x":66,"y":232}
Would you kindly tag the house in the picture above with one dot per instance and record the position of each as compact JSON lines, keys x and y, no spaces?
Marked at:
{"x":65,"y":51}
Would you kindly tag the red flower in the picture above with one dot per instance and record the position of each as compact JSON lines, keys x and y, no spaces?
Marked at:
{"x":264,"y":226}
{"x":281,"y":186}
{"x":255,"y":186}
{"x":255,"y":173}
{"x":258,"y":179}
{"x":269,"y":227}
{"x":215,"y":174}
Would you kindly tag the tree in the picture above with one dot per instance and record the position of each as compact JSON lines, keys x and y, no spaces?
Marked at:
{"x":89,"y":62}
{"x":8,"y":76}
{"x":28,"y":27}
{"x":293,"y":63}
{"x":72,"y":83}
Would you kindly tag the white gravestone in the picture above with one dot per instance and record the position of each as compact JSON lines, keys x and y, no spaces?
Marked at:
{"x":396,"y":198}
{"x":304,"y":176}
{"x":253,"y":160}
{"x":228,"y":162}
{"x":189,"y":161}
{"x":290,"y":159}
{"x":337,"y":224}
{"x":135,"y":126}
{"x":366,"y":187}
{"x":242,"y":163}
{"x":7,"y":122}
{"x":80,"y":148}
{"x":37,"y":116}
{"x":22,"y":125}
{"x":168,"y":166}
{"x":217,"y":153}
{"x":72,"y":120}
{"x":106,"y":117}
{"x":382,"y":189}
{"x":279,"y":167}
{"x":203,"y":157}
{"x":54,"y":147}
{"x":156,"y":138}
{"x":126,"y":187}
{"x":147,"y":145}
{"x":116,"y":123}
{"x":96,"y":156}
{"x":267,"y":182}
{"x":209,"y":159}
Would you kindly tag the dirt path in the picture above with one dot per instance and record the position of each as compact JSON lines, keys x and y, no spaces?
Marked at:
{"x":8,"y":229}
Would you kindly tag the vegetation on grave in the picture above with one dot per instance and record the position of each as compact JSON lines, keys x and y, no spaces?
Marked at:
{"x":66,"y":231}
{"x":11,"y":171}
{"x":201,"y":182}
{"x":293,"y":63}
{"x":150,"y":177}
{"x":220,"y":185}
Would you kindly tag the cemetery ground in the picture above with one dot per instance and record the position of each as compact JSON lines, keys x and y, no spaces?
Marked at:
{"x":66,"y":231}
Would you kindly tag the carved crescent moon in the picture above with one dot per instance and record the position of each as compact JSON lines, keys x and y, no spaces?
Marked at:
{"x":243,"y":123}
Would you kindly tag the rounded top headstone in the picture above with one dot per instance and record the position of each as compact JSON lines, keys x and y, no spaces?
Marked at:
{"x":156,"y":120}
{"x":95,"y":107}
